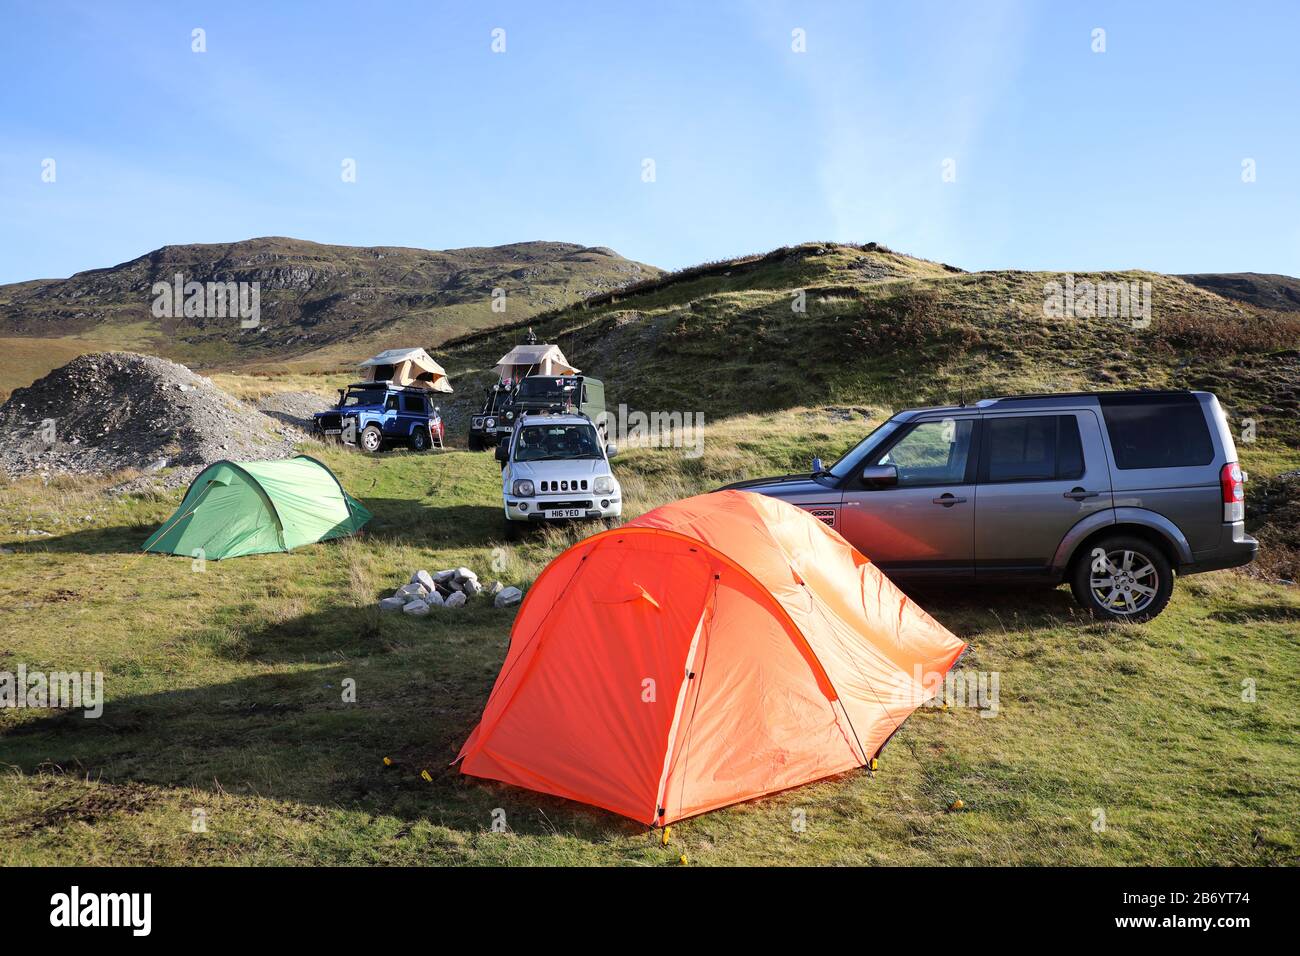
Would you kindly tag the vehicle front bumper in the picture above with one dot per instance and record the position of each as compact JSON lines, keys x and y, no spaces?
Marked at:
{"x":597,"y":506}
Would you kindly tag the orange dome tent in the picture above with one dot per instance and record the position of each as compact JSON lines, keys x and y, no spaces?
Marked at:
{"x":711,"y":651}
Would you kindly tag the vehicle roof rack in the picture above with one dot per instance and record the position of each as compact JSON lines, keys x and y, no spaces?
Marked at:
{"x":1114,"y":393}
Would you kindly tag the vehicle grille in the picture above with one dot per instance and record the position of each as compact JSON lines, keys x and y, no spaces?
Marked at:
{"x":824,"y":515}
{"x":556,"y":486}
{"x":547,"y":505}
{"x":330,"y":421}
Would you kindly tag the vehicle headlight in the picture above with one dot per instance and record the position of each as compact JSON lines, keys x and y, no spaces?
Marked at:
{"x":509,"y":415}
{"x":478,"y":423}
{"x":604,"y":485}
{"x":523,"y":488}
{"x":491,"y":423}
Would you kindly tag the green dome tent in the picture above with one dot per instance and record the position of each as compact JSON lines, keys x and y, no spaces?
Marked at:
{"x":256,"y":507}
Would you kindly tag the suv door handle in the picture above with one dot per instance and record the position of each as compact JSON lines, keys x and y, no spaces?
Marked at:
{"x":1078,"y":494}
{"x":947,"y":500}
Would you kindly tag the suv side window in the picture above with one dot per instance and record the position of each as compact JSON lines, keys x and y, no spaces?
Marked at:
{"x":1167,"y":432}
{"x":1031,"y":448}
{"x":931,"y":453}
{"x":390,"y":403}
{"x":413,"y":403}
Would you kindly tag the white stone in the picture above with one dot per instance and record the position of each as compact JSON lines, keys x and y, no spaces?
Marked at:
{"x":424,"y":578}
{"x":456,"y":600}
{"x":508,"y":597}
{"x":411,"y":591}
{"x":392,"y":603}
{"x":465,"y":574}
{"x":471,"y":587}
{"x":495,"y":589}
{"x":434,"y":600}
{"x":443,"y":576}
{"x":417,"y":608}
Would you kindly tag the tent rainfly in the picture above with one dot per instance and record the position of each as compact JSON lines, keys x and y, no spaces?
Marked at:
{"x":523,"y":360}
{"x":407,"y":367}
{"x":711,"y":651}
{"x":255,"y":507}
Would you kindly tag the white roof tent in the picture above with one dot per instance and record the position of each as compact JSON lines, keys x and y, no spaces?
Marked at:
{"x":407,"y":367}
{"x":523,"y":360}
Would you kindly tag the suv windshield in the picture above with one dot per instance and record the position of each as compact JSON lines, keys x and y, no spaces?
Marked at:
{"x":557,"y":442}
{"x":547,"y":389}
{"x":364,"y":396}
{"x":853,"y":459}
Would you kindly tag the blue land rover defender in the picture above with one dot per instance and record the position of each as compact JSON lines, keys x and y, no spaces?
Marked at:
{"x":377,"y":415}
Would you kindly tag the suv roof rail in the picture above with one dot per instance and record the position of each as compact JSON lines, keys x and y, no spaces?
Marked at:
{"x":1115,"y":393}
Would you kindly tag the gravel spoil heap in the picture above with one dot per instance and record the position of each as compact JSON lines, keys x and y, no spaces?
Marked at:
{"x":110,"y":411}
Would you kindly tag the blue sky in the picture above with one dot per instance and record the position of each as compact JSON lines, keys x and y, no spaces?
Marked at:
{"x":1064,"y":158}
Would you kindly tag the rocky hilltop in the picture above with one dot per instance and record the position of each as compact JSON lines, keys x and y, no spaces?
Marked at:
{"x":310,"y":296}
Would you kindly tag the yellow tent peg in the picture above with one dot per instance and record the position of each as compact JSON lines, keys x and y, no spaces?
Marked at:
{"x":874,"y":763}
{"x":668,"y":832}
{"x":424,"y":774}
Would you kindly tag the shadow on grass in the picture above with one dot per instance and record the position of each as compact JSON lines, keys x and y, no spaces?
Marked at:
{"x":969,"y":610}
{"x":123,"y":539}
{"x":289,"y":736}
{"x":396,"y":521}
{"x":405,"y":522}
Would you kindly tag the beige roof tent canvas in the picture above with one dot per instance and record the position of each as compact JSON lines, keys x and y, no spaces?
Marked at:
{"x":407,"y":367}
{"x":525,"y":360}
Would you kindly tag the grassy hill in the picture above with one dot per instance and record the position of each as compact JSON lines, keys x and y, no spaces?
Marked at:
{"x":319,"y":303}
{"x":1264,"y":289}
{"x":881,"y":327}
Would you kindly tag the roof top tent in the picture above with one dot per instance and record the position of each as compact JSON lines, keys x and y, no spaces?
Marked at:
{"x":407,"y":368}
{"x":524,"y":360}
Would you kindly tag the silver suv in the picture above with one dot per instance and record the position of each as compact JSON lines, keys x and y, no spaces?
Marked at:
{"x":1114,"y":492}
{"x":554,"y":468}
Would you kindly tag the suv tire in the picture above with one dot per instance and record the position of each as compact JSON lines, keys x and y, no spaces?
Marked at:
{"x":420,"y":440}
{"x":372,"y":439}
{"x":1122,"y":590}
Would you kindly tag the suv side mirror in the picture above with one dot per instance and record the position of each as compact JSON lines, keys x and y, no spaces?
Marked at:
{"x":879,"y":476}
{"x":817,"y":467}
{"x":503,"y":452}
{"x":611,"y":451}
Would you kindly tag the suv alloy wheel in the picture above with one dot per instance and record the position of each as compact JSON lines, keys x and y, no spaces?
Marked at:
{"x":420,"y":438}
{"x":372,"y":439}
{"x":1123,"y":578}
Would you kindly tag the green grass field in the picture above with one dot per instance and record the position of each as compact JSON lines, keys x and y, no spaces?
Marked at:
{"x":224,"y":699}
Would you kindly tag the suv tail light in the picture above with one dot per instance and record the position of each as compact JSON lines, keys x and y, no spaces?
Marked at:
{"x":1233,"y":483}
